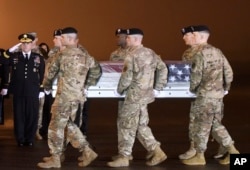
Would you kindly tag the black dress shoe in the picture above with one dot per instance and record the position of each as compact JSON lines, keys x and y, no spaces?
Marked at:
{"x":29,"y":144}
{"x":20,"y":144}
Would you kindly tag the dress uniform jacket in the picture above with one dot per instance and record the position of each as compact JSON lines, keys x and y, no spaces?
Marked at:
{"x":26,"y":78}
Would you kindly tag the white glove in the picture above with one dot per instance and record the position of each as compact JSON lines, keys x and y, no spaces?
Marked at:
{"x":15,"y":47}
{"x":225,"y":93}
{"x":85,"y":92}
{"x":157,"y":92}
{"x":117,"y":94}
{"x":47,"y":92}
{"x":192,"y":94}
{"x":41,"y":95}
{"x":4,"y":92}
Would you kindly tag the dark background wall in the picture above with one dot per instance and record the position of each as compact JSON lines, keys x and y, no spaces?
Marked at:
{"x":161,"y":21}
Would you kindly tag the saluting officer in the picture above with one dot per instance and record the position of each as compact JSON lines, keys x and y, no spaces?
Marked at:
{"x":26,"y":86}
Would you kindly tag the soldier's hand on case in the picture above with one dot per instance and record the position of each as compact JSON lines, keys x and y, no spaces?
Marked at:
{"x":192,"y":94}
{"x":157,"y":92}
{"x":12,"y":49}
{"x":86,"y":92}
{"x":47,"y":92}
{"x":225,"y":92}
{"x":4,"y":92}
{"x":41,"y":95}
{"x":117,"y":94}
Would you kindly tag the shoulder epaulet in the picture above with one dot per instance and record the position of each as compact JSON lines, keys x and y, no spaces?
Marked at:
{"x":6,"y":55}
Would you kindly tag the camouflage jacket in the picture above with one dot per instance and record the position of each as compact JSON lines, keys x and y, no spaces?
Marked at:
{"x":188,"y":55}
{"x":94,"y":72}
{"x":138,"y":75}
{"x":71,"y":65}
{"x":211,"y":73}
{"x":118,"y":55}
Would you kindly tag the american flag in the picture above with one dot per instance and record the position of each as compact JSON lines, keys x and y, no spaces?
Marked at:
{"x":178,"y":71}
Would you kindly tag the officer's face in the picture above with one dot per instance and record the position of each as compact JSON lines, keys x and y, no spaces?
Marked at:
{"x":189,"y":39}
{"x":26,"y":46}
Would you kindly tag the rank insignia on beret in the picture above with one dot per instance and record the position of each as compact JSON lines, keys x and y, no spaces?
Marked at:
{"x":187,"y":30}
{"x":57,"y":32}
{"x":120,"y":31}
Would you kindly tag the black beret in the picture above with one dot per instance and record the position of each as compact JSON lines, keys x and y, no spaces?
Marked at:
{"x":201,"y":28}
{"x":57,"y":32}
{"x":120,"y":31}
{"x":69,"y":30}
{"x":133,"y":31}
{"x":26,"y":38}
{"x":186,"y":30}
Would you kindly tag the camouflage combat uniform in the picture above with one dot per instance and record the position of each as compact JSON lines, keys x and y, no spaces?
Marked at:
{"x":211,"y":76}
{"x":118,"y":54}
{"x":71,"y":65}
{"x":138,"y":80}
{"x":188,"y":55}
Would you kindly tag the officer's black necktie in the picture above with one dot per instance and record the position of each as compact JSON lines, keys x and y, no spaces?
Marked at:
{"x":26,"y":58}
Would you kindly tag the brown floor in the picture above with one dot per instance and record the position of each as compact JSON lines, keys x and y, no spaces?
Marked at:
{"x":169,"y":123}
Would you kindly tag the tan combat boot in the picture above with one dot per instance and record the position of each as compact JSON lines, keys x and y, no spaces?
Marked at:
{"x":121,"y":161}
{"x":130,"y":157}
{"x":157,"y":157}
{"x":231,"y":150}
{"x":54,"y":162}
{"x":88,"y":155}
{"x":149,"y":155}
{"x":62,"y":158}
{"x":188,"y":154}
{"x":198,"y":159}
{"x":222,"y":151}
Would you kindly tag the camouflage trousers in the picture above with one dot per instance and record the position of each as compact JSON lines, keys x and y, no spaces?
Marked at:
{"x":133,"y":122}
{"x":62,"y":128}
{"x":191,"y":131}
{"x":40,"y":112}
{"x":207,"y":118}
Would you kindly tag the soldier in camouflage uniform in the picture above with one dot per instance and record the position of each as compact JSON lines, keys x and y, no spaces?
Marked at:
{"x":138,"y":81}
{"x":93,"y":76}
{"x":71,"y":66}
{"x":211,"y":77}
{"x":188,"y":55}
{"x":48,"y":94}
{"x":119,"y":54}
